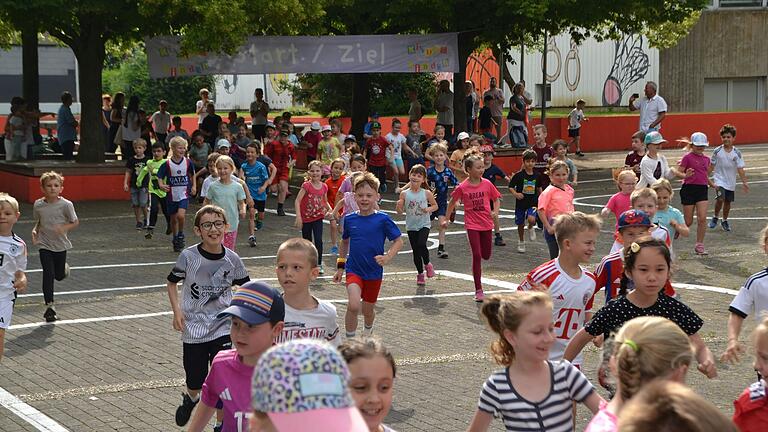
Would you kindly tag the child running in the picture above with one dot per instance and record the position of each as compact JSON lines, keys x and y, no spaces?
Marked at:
{"x":751,"y":408}
{"x":440,"y":177}
{"x":282,"y":154}
{"x":644,"y":349}
{"x":654,"y":165}
{"x":54,"y":218}
{"x":646,"y":201}
{"x":305,"y":315}
{"x":256,"y":314}
{"x":523,"y":322}
{"x":177,"y":178}
{"x":375,"y":151}
{"x":667,"y":216}
{"x":620,"y":202}
{"x":209,"y":271}
{"x":526,"y":187}
{"x":256,"y":176}
{"x":228,"y":194}
{"x":371,"y":381}
{"x":345,"y":198}
{"x":646,"y":265}
{"x":363,"y":237}
{"x":328,"y":150}
{"x":561,"y":153}
{"x":727,"y":161}
{"x":457,"y":156}
{"x":157,"y":199}
{"x":418,"y":202}
{"x":556,"y":199}
{"x":334,"y":183}
{"x":633,"y":159}
{"x":481,"y":206}
{"x":13,"y":250}
{"x":311,"y":207}
{"x":396,"y":141}
{"x":491,"y":173}
{"x":138,"y":189}
{"x":694,"y":192}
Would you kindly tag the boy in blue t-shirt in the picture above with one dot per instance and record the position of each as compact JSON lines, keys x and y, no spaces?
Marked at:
{"x":256,"y":176}
{"x":440,"y":177}
{"x":363,"y":237}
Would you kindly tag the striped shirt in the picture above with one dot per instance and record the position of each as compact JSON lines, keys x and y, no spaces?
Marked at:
{"x":552,"y":414}
{"x":206,"y":291}
{"x":752,"y":296}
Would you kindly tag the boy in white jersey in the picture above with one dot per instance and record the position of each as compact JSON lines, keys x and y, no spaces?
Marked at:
{"x":177,"y":177}
{"x":209,"y":271}
{"x":571,"y":287}
{"x":305,"y":315}
{"x":395,"y":151}
{"x":726,"y":163}
{"x":13,"y":262}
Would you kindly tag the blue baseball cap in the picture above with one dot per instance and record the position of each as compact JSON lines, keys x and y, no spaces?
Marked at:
{"x":654,"y":137}
{"x":256,"y":303}
{"x":634,"y":218}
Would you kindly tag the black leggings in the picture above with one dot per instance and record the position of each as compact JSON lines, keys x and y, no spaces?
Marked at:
{"x":154,"y":200}
{"x":314,"y":229}
{"x":418,"y":241}
{"x":381,"y":173}
{"x":53,"y":268}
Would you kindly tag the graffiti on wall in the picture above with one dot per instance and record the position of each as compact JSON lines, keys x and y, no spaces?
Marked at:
{"x":630,"y":64}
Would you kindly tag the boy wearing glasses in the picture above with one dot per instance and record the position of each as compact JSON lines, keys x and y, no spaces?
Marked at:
{"x":209,"y":271}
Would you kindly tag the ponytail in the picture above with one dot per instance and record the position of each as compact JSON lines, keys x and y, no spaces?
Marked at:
{"x":506,"y":312}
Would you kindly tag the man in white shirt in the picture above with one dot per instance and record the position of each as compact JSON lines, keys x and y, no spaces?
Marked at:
{"x":259,"y":111}
{"x":496,"y":104}
{"x":444,"y":107}
{"x":653,"y":108}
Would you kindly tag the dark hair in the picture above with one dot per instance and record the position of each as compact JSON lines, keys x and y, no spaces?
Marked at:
{"x":728,"y":128}
{"x":133,"y":106}
{"x":630,"y":256}
{"x":487,"y":97}
{"x":396,"y":121}
{"x":65,"y":96}
{"x":357,"y":158}
{"x":255,"y":146}
{"x":176,"y":119}
{"x":410,"y":122}
{"x":559,"y":143}
{"x":639,"y":135}
{"x":529,"y":154}
{"x":367,"y":347}
{"x":158,"y":145}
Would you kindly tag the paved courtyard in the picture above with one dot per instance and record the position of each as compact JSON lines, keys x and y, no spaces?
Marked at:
{"x":113,"y":361}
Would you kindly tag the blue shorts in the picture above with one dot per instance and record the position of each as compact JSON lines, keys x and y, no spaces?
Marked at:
{"x":174,"y":206}
{"x":521,"y":214}
{"x":442,"y":207}
{"x":397,"y":163}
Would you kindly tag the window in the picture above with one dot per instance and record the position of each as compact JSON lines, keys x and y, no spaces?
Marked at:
{"x":738,"y":94}
{"x":540,"y":95}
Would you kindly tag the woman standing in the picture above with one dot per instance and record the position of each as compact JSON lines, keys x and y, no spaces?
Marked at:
{"x":200,"y":108}
{"x":116,"y":119}
{"x":131,"y":127}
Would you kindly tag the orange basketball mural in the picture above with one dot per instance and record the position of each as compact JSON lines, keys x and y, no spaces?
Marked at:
{"x":481,"y":66}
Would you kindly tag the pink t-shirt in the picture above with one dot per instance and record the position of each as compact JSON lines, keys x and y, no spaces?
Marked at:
{"x":555,"y":201}
{"x":603,"y":421}
{"x":229,"y":381}
{"x":477,"y":203}
{"x":312,"y":207}
{"x":618,"y":204}
{"x":700,"y":165}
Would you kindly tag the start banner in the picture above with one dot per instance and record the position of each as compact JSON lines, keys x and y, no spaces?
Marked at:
{"x":310,"y":54}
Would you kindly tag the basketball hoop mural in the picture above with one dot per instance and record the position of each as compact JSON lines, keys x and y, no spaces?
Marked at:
{"x":630,"y":64}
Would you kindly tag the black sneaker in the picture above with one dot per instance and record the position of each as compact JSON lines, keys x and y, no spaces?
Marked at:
{"x":139,"y":226}
{"x":184,"y":411}
{"x":499,"y":241}
{"x":50,"y":315}
{"x":442,"y":253}
{"x":280,"y":212}
{"x":218,"y":428}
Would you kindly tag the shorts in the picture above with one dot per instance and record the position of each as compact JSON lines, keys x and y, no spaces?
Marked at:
{"x":690,"y":194}
{"x":442,"y":208}
{"x":259,"y":205}
{"x":197,"y":357}
{"x":174,"y":206}
{"x":723,"y":193}
{"x":369,"y":289}
{"x":139,"y":197}
{"x":573,"y":133}
{"x":521,"y":214}
{"x":518,"y":136}
{"x":397,"y":163}
{"x":6,"y":312}
{"x":283,"y":174}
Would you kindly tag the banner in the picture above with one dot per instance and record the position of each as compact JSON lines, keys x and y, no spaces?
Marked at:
{"x":310,"y":54}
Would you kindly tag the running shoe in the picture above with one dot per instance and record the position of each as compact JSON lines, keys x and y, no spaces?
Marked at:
{"x":321,"y":270}
{"x":280,"y":212}
{"x":367,"y":332}
{"x":335,"y":250}
{"x":579,"y":154}
{"x":184,"y":411}
{"x":259,"y":224}
{"x":420,"y":279}
{"x":479,"y":296}
{"x":252,"y":241}
{"x":50,"y":315}
{"x":726,"y":226}
{"x":218,"y":428}
{"x":521,"y":247}
{"x":699,"y":249}
{"x":532,"y":233}
{"x":430,"y":269}
{"x":713,"y":222}
{"x":442,"y":253}
{"x":148,"y":235}
{"x":66,"y":271}
{"x":499,"y":241}
{"x":139,"y":226}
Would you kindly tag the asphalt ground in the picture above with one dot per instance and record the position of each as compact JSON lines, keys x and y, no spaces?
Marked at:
{"x":113,"y":361}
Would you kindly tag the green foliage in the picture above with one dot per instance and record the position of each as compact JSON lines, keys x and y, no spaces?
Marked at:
{"x":132,"y":78}
{"x":388,"y":93}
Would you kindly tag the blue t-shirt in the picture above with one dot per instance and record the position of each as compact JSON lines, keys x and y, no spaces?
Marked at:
{"x":255,"y":177}
{"x":440,"y":182}
{"x":492,"y":172}
{"x":65,"y":125}
{"x":366,"y":236}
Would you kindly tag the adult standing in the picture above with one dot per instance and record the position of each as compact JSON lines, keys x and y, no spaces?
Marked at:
{"x":66,"y":127}
{"x":116,"y":115}
{"x":653,"y":108}
{"x":106,"y":109}
{"x":472,"y":102}
{"x":518,"y":132}
{"x":131,"y":127}
{"x":201,"y":108}
{"x":414,"y":108}
{"x":259,"y":111}
{"x":496,"y":104}
{"x":444,"y":107}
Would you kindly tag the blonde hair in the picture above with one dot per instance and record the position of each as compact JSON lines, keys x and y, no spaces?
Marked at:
{"x":541,"y":127}
{"x":646,"y":348}
{"x":227,"y":160}
{"x":644,"y":193}
{"x":761,"y":330}
{"x":314,"y":163}
{"x":11,"y":201}
{"x":624,"y":174}
{"x":668,"y":406}
{"x":568,"y":225}
{"x":558,"y":165}
{"x":663,"y":184}
{"x":338,"y":160}
{"x":506,"y":312}
{"x":51,"y":175}
{"x":439,"y":147}
{"x":140,"y":142}
{"x":301,"y":245}
{"x":366,"y":178}
{"x":177,"y":141}
{"x":470,"y":157}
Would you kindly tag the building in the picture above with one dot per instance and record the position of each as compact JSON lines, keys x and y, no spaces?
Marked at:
{"x":235,"y":92}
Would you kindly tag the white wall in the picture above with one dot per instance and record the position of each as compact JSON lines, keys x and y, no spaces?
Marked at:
{"x":235,"y":92}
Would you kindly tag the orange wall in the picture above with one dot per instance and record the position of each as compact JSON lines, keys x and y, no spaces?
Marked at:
{"x":76,"y":187}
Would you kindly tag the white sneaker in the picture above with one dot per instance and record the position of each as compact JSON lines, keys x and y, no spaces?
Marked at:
{"x":532,"y":233}
{"x":367,"y":332}
{"x":521,"y":247}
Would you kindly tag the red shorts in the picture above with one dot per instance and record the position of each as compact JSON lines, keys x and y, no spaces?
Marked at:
{"x":369,"y":289}
{"x":283,"y":174}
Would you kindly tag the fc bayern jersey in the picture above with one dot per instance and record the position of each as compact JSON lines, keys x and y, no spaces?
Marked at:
{"x":13,"y":257}
{"x":571,"y":299}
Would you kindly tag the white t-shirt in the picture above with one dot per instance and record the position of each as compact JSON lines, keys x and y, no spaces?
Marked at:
{"x":161,"y":121}
{"x":207,"y":185}
{"x":496,"y":104}
{"x":17,"y":122}
{"x":727,"y":164}
{"x":574,"y":118}
{"x":13,"y":251}
{"x":649,"y":111}
{"x":571,"y":298}
{"x":753,"y":296}
{"x":317,"y":323}
{"x":203,"y":114}
{"x":648,"y":170}
{"x":395,"y":145}
{"x":445,"y":117}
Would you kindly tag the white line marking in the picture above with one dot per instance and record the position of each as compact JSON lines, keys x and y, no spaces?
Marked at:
{"x":29,"y":414}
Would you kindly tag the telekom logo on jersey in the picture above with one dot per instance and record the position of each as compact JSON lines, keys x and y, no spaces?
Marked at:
{"x":567,"y":320}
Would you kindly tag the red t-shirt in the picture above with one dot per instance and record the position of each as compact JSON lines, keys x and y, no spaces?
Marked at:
{"x":333,"y":188}
{"x":280,"y":154}
{"x":312,"y":207}
{"x":543,"y":155}
{"x":313,"y":139}
{"x":376,"y":149}
{"x":751,"y":409}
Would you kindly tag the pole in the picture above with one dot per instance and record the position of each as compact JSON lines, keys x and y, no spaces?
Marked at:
{"x":522,"y":60}
{"x":544,"y":80}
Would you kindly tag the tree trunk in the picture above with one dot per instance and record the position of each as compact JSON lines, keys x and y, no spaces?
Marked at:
{"x":90,"y":56}
{"x":459,"y":97}
{"x":29,"y":60}
{"x":361,"y":103}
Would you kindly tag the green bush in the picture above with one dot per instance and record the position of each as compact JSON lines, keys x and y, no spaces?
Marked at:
{"x":131,"y":77}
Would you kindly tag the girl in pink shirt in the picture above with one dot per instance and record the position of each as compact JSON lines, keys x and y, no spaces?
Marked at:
{"x":556,"y":199}
{"x":477,"y":194}
{"x":644,"y":349}
{"x":695,"y":192}
{"x":312,"y":206}
{"x":620,"y":201}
